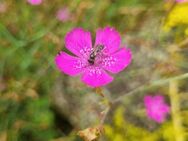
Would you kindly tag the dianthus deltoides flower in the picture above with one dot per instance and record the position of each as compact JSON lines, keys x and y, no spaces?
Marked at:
{"x":63,"y":14}
{"x":156,"y":108}
{"x":93,"y":63}
{"x":34,"y":2}
{"x":181,"y":1}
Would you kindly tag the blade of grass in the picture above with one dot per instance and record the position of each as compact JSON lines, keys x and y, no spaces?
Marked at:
{"x":175,"y":108}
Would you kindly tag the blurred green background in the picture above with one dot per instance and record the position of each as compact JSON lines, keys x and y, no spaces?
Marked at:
{"x":38,"y":103}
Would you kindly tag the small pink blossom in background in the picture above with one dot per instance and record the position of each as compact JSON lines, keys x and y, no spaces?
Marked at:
{"x":63,"y":14}
{"x":156,"y":108}
{"x":34,"y":2}
{"x":3,"y":7}
{"x":111,"y":59}
{"x":181,"y":1}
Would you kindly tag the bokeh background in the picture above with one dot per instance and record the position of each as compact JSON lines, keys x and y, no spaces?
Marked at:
{"x":38,"y":103}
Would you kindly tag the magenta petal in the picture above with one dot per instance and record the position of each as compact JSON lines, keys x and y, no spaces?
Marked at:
{"x":68,"y":64}
{"x":108,"y":37}
{"x":148,"y":101}
{"x":96,"y":77}
{"x":117,"y":61}
{"x":78,"y":41}
{"x":34,"y":2}
{"x":181,"y":1}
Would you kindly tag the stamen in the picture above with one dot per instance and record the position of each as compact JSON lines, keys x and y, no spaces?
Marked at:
{"x":79,"y":64}
{"x":85,"y":51}
{"x":109,"y":61}
{"x":95,"y":71}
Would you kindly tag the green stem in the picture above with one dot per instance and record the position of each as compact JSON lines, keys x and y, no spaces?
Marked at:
{"x":175,"y":109}
{"x":150,"y":85}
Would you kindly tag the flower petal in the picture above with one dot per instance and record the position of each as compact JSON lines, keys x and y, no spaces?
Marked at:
{"x":96,"y":77}
{"x":68,"y":64}
{"x":78,"y":41}
{"x":147,"y":101}
{"x":117,"y":61}
{"x":108,"y":37}
{"x":34,"y":2}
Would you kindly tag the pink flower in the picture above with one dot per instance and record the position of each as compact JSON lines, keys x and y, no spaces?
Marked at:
{"x":92,"y":63}
{"x":156,"y":108}
{"x":3,"y":7}
{"x":34,"y":2}
{"x":181,"y":1}
{"x":63,"y":14}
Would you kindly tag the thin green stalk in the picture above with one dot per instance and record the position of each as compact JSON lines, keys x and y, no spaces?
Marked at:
{"x":150,"y":85}
{"x":175,"y":109}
